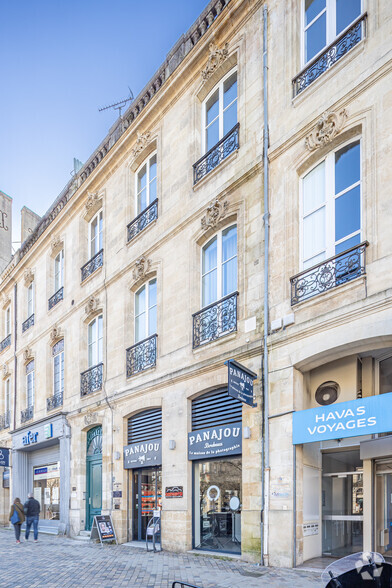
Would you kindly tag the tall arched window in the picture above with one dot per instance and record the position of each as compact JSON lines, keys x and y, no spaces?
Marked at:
{"x":95,"y":339}
{"x":146,"y":310}
{"x":146,"y":183}
{"x":219,"y":266}
{"x":220,"y":111}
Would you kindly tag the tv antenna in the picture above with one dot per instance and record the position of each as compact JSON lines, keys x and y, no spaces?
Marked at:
{"x":120,"y":104}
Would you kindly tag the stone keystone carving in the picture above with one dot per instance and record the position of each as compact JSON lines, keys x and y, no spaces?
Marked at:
{"x":326,"y":128}
{"x":143,"y":139}
{"x":90,"y":418}
{"x":92,"y":304}
{"x":5,"y":300}
{"x":56,"y":244}
{"x":141,"y":269}
{"x":27,"y":354}
{"x":216,"y":58}
{"x":214,"y":213}
{"x":92,"y":200}
{"x":6,"y":371}
{"x":28,"y":276}
{"x":55,"y":334}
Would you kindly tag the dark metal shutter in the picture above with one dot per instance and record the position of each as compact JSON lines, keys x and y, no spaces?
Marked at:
{"x":214,"y":409}
{"x":145,"y":425}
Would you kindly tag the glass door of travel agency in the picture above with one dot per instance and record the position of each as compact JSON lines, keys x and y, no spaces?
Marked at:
{"x":383,"y":494}
{"x":147,"y":497}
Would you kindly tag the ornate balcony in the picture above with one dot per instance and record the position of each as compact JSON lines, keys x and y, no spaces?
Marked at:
{"x":54,"y":401}
{"x":217,"y":154}
{"x":57,"y":296}
{"x":142,"y":356}
{"x":28,"y":323}
{"x":328,"y":274}
{"x":26,"y":414}
{"x":5,"y":342}
{"x":91,"y":380}
{"x":91,"y":266}
{"x":215,"y":320}
{"x":331,"y":54}
{"x":5,"y":420}
{"x":142,"y":220}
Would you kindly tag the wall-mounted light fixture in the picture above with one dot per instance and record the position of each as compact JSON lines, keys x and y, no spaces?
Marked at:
{"x":117,"y":455}
{"x":246,"y":431}
{"x":172,"y":444}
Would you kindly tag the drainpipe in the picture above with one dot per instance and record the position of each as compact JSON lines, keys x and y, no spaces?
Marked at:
{"x":265,"y":450}
{"x":15,"y":358}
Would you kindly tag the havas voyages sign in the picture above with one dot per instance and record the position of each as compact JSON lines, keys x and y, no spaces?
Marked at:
{"x":139,"y":455}
{"x":364,"y":416}
{"x":215,"y":442}
{"x":240,"y":382}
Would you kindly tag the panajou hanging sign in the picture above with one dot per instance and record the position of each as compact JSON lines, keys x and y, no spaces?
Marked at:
{"x":215,"y":442}
{"x":146,"y":453}
{"x":364,"y":416}
{"x":240,"y":382}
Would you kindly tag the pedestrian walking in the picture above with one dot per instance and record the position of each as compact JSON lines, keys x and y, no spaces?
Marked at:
{"x":32,"y":509}
{"x":17,"y":517}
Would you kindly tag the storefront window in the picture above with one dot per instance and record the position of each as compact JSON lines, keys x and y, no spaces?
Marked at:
{"x":386,"y":375}
{"x":384,"y":509}
{"x":217,"y":516}
{"x":47,"y":490}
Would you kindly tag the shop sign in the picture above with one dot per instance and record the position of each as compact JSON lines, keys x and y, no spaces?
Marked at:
{"x":365,"y":416}
{"x":174,"y":492}
{"x":103,"y":527}
{"x":46,"y":472}
{"x":240,"y":382}
{"x":48,"y":431}
{"x":138,"y":455}
{"x":4,"y":457}
{"x":30,"y":438}
{"x":215,"y":442}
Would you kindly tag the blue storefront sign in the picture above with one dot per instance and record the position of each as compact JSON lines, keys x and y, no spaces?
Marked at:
{"x":4,"y":457}
{"x":139,"y":455}
{"x":365,"y":416}
{"x":215,"y":442}
{"x":240,"y":382}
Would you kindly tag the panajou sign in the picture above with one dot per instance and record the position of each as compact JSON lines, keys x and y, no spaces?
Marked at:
{"x":147,"y":453}
{"x":364,"y":416}
{"x":240,"y":382}
{"x":215,"y":442}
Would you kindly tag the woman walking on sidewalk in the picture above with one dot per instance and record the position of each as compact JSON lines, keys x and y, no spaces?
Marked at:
{"x":17,"y":517}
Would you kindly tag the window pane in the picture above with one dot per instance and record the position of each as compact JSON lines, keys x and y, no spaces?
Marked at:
{"x":140,"y":327}
{"x":212,"y":108}
{"x":212,"y":137}
{"x":153,"y":190}
{"x":229,"y":243}
{"x":314,"y":189}
{"x":142,"y":178}
{"x":314,"y":234}
{"x":229,"y":277}
{"x":386,"y":376}
{"x":153,"y":167}
{"x":210,"y":256}
{"x":347,"y":213}
{"x":347,"y":244}
{"x":230,"y":118}
{"x":346,"y":12}
{"x":209,"y":286}
{"x":315,"y":37}
{"x":347,"y":166}
{"x":142,"y":200}
{"x":140,"y":301}
{"x":230,"y":90}
{"x":312,"y":9}
{"x":152,"y":294}
{"x":314,"y":260}
{"x":152,"y":321}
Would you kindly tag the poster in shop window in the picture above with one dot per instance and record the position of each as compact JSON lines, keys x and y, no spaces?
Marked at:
{"x":103,"y":528}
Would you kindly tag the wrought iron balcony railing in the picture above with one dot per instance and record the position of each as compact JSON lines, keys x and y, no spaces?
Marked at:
{"x":57,"y":296}
{"x":6,"y":342}
{"x":28,"y":323}
{"x":5,"y":420}
{"x":142,"y":355}
{"x":147,"y":216}
{"x":215,"y":320}
{"x":91,"y":380}
{"x":218,"y":153}
{"x":328,"y":274}
{"x":331,"y":54}
{"x":54,"y":401}
{"x":26,"y":414}
{"x":91,"y":266}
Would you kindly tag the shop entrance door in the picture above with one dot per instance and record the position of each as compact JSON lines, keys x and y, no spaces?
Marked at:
{"x":384,"y":509}
{"x":147,"y":496}
{"x":93,"y":475}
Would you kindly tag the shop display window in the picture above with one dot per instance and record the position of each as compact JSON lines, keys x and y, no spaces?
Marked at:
{"x":46,"y":481}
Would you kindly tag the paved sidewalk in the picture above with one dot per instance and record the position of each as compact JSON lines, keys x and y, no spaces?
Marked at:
{"x":61,"y":562}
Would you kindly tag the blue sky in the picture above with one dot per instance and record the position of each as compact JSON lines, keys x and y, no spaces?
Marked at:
{"x":61,"y":60}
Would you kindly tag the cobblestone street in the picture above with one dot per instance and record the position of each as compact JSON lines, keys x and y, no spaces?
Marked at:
{"x":57,"y":561}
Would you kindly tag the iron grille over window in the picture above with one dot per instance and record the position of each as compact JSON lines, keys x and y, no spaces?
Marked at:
{"x":215,"y":320}
{"x":91,"y":266}
{"x":145,"y":426}
{"x":142,"y":356}
{"x":227,"y":145}
{"x":5,"y":342}
{"x":54,"y":401}
{"x":26,"y":414}
{"x":91,"y":380}
{"x":215,"y":409}
{"x":5,"y":420}
{"x":143,"y":219}
{"x":57,"y":296}
{"x":28,"y":323}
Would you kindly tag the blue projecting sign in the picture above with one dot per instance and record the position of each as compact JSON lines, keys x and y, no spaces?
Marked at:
{"x":4,"y":457}
{"x":365,"y":416}
{"x":240,"y":382}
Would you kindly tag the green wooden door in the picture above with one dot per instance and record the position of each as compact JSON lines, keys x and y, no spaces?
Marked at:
{"x":94,"y":475}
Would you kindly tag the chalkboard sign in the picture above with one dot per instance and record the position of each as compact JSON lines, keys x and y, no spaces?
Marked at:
{"x":103,"y":528}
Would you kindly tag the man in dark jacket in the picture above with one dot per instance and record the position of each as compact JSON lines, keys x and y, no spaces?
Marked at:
{"x":32,"y":509}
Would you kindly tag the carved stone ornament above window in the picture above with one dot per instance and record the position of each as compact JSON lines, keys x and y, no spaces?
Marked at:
{"x":92,"y":305}
{"x":28,"y":276}
{"x":55,"y":334}
{"x":5,"y":300}
{"x":143,"y":139}
{"x":56,"y":244}
{"x":93,"y":200}
{"x":28,"y":354}
{"x":216,"y":58}
{"x":141,"y":269}
{"x":90,"y":418}
{"x":214,"y":214}
{"x":6,"y":371}
{"x":326,"y":128}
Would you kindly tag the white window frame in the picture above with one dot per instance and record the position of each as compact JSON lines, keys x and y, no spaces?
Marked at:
{"x":97,"y":356}
{"x":30,"y":378}
{"x":60,"y":356}
{"x":218,"y":86}
{"x":7,"y":395}
{"x":147,"y":309}
{"x":59,"y":271}
{"x":7,"y":321}
{"x":329,"y":203}
{"x":30,"y":300}
{"x":93,"y":240}
{"x":330,"y":36}
{"x":219,"y":264}
{"x":147,"y":163}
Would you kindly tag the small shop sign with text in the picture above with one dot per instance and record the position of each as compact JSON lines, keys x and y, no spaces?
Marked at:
{"x":240,"y":382}
{"x":174,"y":492}
{"x":215,"y":442}
{"x":103,"y":529}
{"x":365,"y":416}
{"x":4,"y":457}
{"x":138,"y":455}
